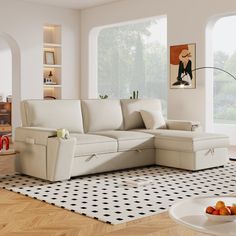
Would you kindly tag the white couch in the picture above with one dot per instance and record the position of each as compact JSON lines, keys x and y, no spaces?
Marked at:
{"x":105,"y":135}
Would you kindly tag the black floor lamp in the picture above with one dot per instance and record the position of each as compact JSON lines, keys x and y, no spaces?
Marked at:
{"x":182,"y":83}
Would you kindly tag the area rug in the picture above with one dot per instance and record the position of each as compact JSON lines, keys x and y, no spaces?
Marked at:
{"x":106,"y":197}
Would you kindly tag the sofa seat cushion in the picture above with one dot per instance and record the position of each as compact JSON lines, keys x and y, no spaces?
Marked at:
{"x":129,"y":140}
{"x":89,"y":144}
{"x":186,"y":141}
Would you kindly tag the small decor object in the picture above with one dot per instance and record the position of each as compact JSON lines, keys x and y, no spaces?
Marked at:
{"x":137,"y":182}
{"x":103,"y":96}
{"x":4,"y":141}
{"x":49,"y":58}
{"x":49,"y":79}
{"x":50,"y":76}
{"x":182,"y":62}
{"x":63,"y":133}
{"x":134,"y":95}
{"x":49,"y":97}
{"x":9,"y":98}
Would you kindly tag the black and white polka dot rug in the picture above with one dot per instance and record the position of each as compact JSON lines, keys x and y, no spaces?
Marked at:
{"x":106,"y":197}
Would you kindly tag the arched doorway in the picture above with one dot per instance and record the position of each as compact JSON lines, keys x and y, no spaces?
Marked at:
{"x":15,"y":74}
{"x":220,"y":87}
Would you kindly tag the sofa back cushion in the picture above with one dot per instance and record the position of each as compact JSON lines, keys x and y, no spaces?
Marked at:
{"x":131,"y":111}
{"x":102,"y":114}
{"x":53,"y":114}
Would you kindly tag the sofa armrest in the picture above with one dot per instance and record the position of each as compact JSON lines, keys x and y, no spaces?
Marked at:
{"x":34,"y":135}
{"x":183,"y":125}
{"x":60,"y":154}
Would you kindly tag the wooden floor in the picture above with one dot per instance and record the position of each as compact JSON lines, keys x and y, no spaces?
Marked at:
{"x":23,"y":216}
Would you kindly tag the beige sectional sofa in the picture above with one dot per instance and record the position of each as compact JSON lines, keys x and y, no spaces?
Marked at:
{"x":107,"y":135}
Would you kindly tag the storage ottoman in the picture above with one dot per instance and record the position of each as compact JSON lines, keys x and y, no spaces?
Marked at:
{"x":191,"y":150}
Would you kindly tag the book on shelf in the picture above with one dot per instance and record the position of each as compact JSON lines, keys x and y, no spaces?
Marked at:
{"x":5,"y":128}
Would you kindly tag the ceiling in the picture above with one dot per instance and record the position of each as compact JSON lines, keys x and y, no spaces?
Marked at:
{"x":75,"y":4}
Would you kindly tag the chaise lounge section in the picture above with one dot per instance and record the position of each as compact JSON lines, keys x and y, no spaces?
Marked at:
{"x":107,"y":135}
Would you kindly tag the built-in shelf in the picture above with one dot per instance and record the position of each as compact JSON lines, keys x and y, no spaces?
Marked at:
{"x":52,"y":72}
{"x":51,"y":45}
{"x":51,"y":66}
{"x":5,"y":118}
{"x":52,"y":85}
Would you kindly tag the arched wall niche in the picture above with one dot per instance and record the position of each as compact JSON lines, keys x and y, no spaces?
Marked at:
{"x":16,"y":79}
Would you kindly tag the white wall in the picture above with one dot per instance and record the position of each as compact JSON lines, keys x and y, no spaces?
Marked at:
{"x":228,"y":129}
{"x":5,"y":70}
{"x":186,"y":22}
{"x":24,"y":22}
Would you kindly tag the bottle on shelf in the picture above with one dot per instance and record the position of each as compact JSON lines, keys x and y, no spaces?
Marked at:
{"x":49,"y":80}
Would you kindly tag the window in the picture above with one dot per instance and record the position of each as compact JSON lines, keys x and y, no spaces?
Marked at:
{"x":133,"y":57}
{"x":224,"y":48}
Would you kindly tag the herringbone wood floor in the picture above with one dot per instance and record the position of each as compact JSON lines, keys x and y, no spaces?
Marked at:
{"x":23,"y":216}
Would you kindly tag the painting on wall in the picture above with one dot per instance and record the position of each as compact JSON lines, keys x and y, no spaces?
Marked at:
{"x":182,"y":65}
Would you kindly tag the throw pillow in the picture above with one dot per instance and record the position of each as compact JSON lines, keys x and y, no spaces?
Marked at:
{"x":153,"y":119}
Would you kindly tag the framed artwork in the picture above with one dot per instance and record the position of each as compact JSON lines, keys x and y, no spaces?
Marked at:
{"x":49,"y":58}
{"x":182,"y":65}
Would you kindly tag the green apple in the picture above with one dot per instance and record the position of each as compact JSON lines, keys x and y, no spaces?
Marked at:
{"x":61,"y":133}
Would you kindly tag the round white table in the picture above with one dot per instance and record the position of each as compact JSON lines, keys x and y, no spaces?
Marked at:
{"x":7,"y":161}
{"x":7,"y":152}
{"x":191,"y":213}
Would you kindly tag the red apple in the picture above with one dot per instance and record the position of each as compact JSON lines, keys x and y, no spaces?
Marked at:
{"x":216,"y":212}
{"x":209,"y":210}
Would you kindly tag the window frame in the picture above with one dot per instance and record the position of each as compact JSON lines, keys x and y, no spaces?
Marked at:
{"x":93,"y":52}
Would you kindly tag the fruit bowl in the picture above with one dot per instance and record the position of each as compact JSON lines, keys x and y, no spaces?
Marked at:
{"x":221,"y":212}
{"x":220,"y":218}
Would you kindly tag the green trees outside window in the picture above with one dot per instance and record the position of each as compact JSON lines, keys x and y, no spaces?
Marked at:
{"x":133,"y":57}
